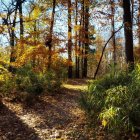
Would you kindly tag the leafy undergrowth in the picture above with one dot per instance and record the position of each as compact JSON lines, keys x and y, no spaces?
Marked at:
{"x":113,"y":101}
{"x":50,"y":116}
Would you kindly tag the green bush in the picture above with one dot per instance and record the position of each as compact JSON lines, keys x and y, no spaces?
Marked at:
{"x":27,"y":84}
{"x":116,"y":110}
{"x":53,"y":81}
{"x":29,"y":81}
{"x":33,"y":82}
{"x":87,"y":102}
{"x":7,"y":84}
{"x":115,"y":102}
{"x":109,"y":81}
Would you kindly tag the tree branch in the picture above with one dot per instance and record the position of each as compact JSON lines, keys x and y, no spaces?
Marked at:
{"x":104,"y":50}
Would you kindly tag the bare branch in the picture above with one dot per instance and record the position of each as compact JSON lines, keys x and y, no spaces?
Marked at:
{"x":104,"y":50}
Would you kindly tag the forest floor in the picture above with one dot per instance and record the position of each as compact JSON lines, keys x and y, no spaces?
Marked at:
{"x":51,"y":117}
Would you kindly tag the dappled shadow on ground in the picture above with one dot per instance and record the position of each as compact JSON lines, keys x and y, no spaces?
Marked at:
{"x":12,"y":128}
{"x":48,"y":114}
{"x":57,"y":111}
{"x":52,"y":114}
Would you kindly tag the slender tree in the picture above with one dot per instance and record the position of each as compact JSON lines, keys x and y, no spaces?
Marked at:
{"x":113,"y":30}
{"x":49,"y":37}
{"x":86,"y":47}
{"x":80,"y":37}
{"x":83,"y":38}
{"x":12,"y":38}
{"x":21,"y":19}
{"x":69,"y":39}
{"x":139,"y":21}
{"x":76,"y":41}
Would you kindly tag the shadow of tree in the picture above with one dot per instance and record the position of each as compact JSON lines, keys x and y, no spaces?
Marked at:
{"x":56,"y":110}
{"x":12,"y":128}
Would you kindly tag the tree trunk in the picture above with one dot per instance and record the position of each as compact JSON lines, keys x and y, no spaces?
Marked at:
{"x":69,"y":40}
{"x":12,"y":41}
{"x":139,"y":21}
{"x":113,"y":30}
{"x":76,"y":49}
{"x":86,"y":40}
{"x":49,"y":38}
{"x":83,"y":39}
{"x":80,"y":44}
{"x":21,"y":19}
{"x":128,"y":35}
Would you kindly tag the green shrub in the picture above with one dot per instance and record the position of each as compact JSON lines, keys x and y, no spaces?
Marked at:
{"x":117,"y":108}
{"x":53,"y":82}
{"x":115,"y":102}
{"x":87,"y":102}
{"x":117,"y":96}
{"x":25,"y":80}
{"x":7,"y":83}
{"x":36,"y":82}
{"x":29,"y":81}
{"x":109,"y":81}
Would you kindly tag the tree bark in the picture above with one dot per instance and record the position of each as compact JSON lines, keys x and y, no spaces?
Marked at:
{"x":12,"y":40}
{"x":128,"y":34}
{"x":49,"y":38}
{"x":80,"y":43}
{"x":69,"y":40}
{"x":76,"y":35}
{"x":21,"y":19}
{"x":113,"y":30}
{"x":139,"y":21}
{"x":86,"y":40}
{"x":83,"y":39}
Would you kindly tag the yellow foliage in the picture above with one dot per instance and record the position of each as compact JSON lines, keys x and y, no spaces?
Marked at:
{"x":36,"y":12}
{"x":77,"y":28}
{"x":30,"y":54}
{"x":104,"y":123}
{"x":1,"y":29}
{"x":97,"y":56}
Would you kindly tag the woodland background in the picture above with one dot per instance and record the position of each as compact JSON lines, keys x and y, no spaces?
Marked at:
{"x":53,"y":49}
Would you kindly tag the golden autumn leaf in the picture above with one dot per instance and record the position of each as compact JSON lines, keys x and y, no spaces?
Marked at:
{"x":104,"y":123}
{"x":36,"y":12}
{"x":77,"y":28}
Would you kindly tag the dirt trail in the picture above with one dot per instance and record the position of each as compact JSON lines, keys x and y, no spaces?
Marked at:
{"x":51,"y":117}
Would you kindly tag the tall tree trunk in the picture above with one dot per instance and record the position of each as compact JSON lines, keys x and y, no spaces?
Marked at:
{"x":49,"y":38}
{"x":128,"y":34}
{"x":21,"y":27}
{"x":139,"y":21}
{"x":35,"y":42}
{"x":86,"y":40}
{"x":80,"y":44}
{"x":76,"y":48}
{"x":21,"y":19}
{"x":12,"y":41}
{"x":113,"y":30}
{"x":83,"y":38}
{"x":69,"y":40}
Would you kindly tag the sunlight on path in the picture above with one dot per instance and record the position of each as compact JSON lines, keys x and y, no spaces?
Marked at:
{"x":54,"y":117}
{"x":78,"y":85}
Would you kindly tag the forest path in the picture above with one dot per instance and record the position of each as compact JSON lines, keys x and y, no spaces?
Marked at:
{"x":51,"y":117}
